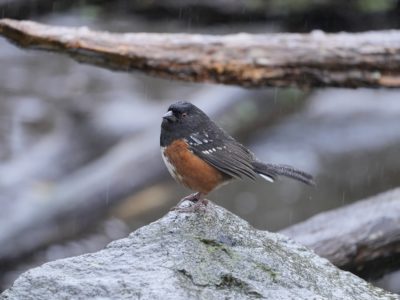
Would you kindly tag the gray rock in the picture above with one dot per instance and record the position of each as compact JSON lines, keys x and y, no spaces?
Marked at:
{"x":210,"y":254}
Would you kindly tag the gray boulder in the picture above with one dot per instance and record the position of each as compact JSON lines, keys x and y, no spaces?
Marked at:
{"x":210,"y":254}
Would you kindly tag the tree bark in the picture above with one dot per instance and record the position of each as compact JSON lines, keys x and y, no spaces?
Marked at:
{"x":363,"y":238}
{"x":370,"y":59}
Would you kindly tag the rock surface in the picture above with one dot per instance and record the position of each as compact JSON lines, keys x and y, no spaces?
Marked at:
{"x":210,"y":254}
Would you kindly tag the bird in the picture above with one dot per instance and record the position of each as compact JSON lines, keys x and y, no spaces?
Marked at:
{"x":202,"y":156}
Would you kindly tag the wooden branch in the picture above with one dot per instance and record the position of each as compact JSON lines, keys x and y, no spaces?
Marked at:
{"x":369,"y":59}
{"x":363,"y":238}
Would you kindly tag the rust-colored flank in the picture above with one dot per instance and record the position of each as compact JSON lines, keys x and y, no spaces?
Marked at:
{"x":190,"y":170}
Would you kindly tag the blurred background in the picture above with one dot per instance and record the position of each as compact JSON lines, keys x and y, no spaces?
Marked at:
{"x":79,"y":145}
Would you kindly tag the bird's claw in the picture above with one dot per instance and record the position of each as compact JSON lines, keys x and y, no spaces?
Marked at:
{"x":198,"y":204}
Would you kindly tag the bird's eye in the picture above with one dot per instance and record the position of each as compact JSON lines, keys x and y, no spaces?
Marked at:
{"x":184,"y":115}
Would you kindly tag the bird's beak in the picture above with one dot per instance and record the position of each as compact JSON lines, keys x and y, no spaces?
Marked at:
{"x":169,"y":116}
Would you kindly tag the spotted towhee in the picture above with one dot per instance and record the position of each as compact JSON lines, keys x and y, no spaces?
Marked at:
{"x":202,"y":156}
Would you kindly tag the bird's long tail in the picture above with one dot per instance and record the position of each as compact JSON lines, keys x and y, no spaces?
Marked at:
{"x":270,"y":172}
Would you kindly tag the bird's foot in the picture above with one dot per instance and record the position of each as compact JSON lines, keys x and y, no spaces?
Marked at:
{"x":195,"y":197}
{"x":199,"y":203}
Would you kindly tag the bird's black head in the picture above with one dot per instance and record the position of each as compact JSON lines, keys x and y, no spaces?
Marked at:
{"x":181,"y":120}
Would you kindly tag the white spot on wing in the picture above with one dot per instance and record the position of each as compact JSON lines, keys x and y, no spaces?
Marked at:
{"x":267,"y":178}
{"x":211,"y":150}
{"x":196,"y":140}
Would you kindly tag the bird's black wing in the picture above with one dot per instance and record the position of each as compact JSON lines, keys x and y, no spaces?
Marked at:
{"x":224,"y":153}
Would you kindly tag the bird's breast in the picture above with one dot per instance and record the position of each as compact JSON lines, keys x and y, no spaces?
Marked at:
{"x":190,"y":170}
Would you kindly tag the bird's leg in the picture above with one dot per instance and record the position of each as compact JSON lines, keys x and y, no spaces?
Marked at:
{"x":197,"y":198}
{"x":193,"y":197}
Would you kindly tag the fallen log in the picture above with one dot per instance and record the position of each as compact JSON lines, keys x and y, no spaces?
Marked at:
{"x":370,"y":59}
{"x":363,"y":238}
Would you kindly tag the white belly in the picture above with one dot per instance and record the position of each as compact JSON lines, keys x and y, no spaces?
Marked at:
{"x":170,"y":167}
